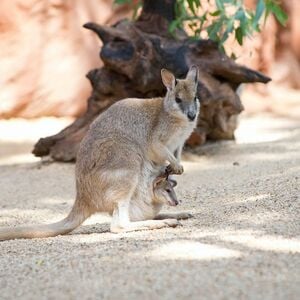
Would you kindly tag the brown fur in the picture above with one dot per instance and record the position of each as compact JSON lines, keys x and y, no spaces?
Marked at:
{"x":123,"y":152}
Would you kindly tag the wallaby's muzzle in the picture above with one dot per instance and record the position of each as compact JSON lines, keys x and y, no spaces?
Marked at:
{"x":173,"y":202}
{"x":191,"y":116}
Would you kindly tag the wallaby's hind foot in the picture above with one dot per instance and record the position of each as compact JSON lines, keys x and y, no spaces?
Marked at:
{"x":177,"y":216}
{"x":145,"y":225}
{"x":121,"y":221}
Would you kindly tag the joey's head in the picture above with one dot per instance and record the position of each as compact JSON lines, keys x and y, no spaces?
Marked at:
{"x":181,"y":98}
{"x":163,"y":190}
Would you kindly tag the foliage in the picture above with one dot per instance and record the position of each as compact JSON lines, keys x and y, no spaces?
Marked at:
{"x":220,"y":18}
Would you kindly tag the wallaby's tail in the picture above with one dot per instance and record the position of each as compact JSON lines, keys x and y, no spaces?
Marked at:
{"x":78,"y":214}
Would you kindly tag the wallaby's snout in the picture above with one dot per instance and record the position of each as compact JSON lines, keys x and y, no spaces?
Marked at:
{"x":172,"y":198}
{"x":173,"y":202}
{"x":191,"y":109}
{"x":191,"y":115}
{"x":164,"y":190}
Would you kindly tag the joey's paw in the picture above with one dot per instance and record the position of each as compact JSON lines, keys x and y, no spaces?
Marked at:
{"x":172,"y":222}
{"x":177,"y":169}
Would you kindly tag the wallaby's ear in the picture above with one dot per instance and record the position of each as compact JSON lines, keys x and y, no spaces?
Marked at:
{"x":193,"y":74}
{"x":168,"y":79}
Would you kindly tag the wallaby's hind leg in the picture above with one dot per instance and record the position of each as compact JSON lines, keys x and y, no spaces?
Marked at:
{"x":177,"y":216}
{"x":121,"y":222}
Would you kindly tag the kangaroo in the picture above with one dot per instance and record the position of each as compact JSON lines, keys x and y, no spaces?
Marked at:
{"x":125,"y":149}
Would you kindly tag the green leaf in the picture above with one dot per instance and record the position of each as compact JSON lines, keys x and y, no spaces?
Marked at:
{"x":191,"y":6}
{"x":220,"y":4}
{"x":198,"y":3}
{"x":245,"y":25}
{"x":214,"y":29}
{"x":174,"y":24}
{"x":229,"y":25}
{"x":280,"y":15}
{"x":215,"y":13}
{"x":240,"y":14}
{"x":224,"y":38}
{"x":260,"y":8}
{"x":228,"y":29}
{"x":122,"y":1}
{"x":239,"y":35}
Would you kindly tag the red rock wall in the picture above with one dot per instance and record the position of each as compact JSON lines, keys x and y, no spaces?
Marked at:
{"x":45,"y":53}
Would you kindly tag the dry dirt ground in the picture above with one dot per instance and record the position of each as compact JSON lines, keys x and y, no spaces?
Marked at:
{"x":243,"y":242}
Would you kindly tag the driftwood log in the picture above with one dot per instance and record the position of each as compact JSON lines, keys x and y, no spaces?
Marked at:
{"x":133,"y":54}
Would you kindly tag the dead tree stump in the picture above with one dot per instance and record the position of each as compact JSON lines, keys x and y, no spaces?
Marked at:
{"x":133,"y":54}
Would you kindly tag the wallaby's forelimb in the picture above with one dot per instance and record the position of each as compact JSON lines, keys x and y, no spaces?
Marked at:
{"x":178,"y":152}
{"x":160,"y":153}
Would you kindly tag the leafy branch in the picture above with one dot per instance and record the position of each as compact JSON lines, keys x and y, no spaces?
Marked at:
{"x":220,"y":18}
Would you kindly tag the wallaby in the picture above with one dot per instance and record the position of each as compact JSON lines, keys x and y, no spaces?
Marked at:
{"x":123,"y":152}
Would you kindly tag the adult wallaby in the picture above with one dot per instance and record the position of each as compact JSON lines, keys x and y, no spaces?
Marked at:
{"x":123,"y":152}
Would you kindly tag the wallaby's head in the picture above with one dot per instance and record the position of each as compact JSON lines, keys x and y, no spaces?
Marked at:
{"x":181,"y":98}
{"x":163,"y":190}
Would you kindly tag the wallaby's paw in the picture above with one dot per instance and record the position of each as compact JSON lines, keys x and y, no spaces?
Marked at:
{"x":169,"y":170}
{"x":184,"y":216}
{"x":172,"y":222}
{"x":177,"y":170}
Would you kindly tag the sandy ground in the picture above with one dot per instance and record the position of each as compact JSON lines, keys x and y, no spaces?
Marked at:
{"x":243,"y":242}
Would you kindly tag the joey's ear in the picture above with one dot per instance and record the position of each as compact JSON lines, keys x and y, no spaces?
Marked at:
{"x":168,"y":79}
{"x":173,"y":182}
{"x":193,"y":74}
{"x":158,"y":181}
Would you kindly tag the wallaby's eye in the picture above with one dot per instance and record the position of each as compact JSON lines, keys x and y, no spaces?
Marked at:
{"x":168,"y":191}
{"x":178,"y":100}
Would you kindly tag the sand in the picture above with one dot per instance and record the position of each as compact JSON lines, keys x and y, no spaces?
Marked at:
{"x":243,"y":242}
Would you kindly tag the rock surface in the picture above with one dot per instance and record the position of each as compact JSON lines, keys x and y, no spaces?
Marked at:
{"x":45,"y":54}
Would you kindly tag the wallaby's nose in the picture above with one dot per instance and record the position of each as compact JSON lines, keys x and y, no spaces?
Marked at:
{"x":191,"y":116}
{"x":175,"y":202}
